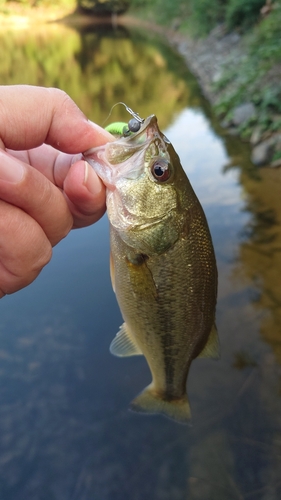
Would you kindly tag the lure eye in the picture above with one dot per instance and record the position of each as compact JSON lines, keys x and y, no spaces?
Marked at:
{"x":134,"y":125}
{"x":161,"y":170}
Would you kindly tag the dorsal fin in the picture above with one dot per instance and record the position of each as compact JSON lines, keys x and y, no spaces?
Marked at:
{"x":212,"y":346}
{"x":123,"y":344}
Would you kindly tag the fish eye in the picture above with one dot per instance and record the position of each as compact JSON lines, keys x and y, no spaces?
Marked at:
{"x":134,"y":125}
{"x":161,"y":170}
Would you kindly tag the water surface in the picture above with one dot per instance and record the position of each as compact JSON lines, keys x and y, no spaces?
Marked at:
{"x":66,"y":433}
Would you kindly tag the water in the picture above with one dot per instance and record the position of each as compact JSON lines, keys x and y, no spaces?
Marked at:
{"x":66,"y":433}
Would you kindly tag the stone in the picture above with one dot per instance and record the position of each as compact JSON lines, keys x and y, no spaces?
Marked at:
{"x":234,"y":131}
{"x":217,"y":76}
{"x":243,"y":113}
{"x":263,"y":152}
{"x":277,"y":141}
{"x":276,"y":163}
{"x":226,"y":123}
{"x":256,"y":136}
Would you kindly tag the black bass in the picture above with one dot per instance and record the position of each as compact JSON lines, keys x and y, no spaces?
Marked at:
{"x":163,"y":267}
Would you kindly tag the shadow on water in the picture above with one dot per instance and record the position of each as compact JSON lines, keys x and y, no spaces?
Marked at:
{"x":65,"y":429}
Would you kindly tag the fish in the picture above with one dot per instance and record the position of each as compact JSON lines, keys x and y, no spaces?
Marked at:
{"x":162,"y":263}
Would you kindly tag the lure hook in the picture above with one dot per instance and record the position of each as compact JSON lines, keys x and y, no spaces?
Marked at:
{"x":130,"y":111}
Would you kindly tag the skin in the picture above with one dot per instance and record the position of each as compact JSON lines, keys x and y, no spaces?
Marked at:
{"x":46,"y":189}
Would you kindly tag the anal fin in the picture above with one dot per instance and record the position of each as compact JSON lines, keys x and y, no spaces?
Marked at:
{"x":123,"y":345}
{"x":212,"y":346}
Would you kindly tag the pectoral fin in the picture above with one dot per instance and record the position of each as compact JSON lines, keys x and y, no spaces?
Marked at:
{"x":212,"y":347}
{"x":141,"y":276}
{"x":123,"y":344}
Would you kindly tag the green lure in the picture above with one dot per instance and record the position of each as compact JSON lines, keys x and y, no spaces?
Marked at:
{"x":117,"y":128}
{"x":126,"y":129}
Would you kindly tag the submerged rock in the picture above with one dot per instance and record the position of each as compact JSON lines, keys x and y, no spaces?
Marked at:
{"x":263,"y":152}
{"x":243,"y":113}
{"x":276,"y":163}
{"x":256,"y":136}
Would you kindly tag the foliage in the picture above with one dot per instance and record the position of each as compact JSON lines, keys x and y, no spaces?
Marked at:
{"x":205,"y":14}
{"x":99,"y":69}
{"x":103,"y":7}
{"x":162,"y":11}
{"x":37,"y":3}
{"x":256,"y":77}
{"x":200,"y":16}
{"x":242,"y":13}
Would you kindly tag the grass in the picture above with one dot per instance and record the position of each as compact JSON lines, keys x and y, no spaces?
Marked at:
{"x":256,"y":77}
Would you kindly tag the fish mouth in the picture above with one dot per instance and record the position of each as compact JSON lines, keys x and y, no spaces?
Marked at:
{"x":113,"y":160}
{"x":149,"y":125}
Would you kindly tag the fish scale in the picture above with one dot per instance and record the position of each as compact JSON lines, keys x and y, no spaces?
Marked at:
{"x":163,"y":265}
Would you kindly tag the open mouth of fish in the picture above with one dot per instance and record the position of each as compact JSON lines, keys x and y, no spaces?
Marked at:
{"x":125,"y":157}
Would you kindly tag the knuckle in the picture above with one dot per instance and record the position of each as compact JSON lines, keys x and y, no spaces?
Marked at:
{"x":62,"y":99}
{"x":52,"y":213}
{"x":24,"y":249}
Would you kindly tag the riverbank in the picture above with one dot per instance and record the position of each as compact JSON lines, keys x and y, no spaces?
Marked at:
{"x":244,"y":96}
{"x":240,"y":74}
{"x":216,"y":61}
{"x":243,"y":86}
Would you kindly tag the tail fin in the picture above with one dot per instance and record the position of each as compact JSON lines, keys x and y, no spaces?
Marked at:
{"x":148,"y":401}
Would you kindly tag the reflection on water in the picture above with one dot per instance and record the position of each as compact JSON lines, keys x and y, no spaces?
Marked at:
{"x":66,"y":433}
{"x":99,"y":68}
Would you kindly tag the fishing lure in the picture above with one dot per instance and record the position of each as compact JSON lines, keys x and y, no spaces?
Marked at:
{"x":125,"y":129}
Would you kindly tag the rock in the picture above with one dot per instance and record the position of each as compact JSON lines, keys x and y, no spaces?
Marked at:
{"x":256,"y":136}
{"x":226,"y":123}
{"x":276,"y":163}
{"x":219,"y":31}
{"x":263,"y":152}
{"x":233,"y":131}
{"x":243,"y":113}
{"x":277,"y":141}
{"x":217,"y":76}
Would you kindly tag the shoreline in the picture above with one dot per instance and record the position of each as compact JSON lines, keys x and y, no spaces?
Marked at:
{"x":205,"y":57}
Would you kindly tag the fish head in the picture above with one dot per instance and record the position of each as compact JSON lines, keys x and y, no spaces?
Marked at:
{"x":142,"y":174}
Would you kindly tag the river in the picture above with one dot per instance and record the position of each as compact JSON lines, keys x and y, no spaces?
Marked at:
{"x":66,"y":432}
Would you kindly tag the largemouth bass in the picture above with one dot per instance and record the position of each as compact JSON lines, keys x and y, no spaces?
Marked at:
{"x":163,"y":267}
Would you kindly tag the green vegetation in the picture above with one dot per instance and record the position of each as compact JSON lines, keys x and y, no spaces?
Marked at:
{"x":27,"y":7}
{"x":201,"y":16}
{"x":37,"y":3}
{"x":256,"y":77}
{"x":102,"y":7}
{"x":98,"y":69}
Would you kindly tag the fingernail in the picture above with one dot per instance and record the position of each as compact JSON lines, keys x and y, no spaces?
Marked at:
{"x":91,"y":180}
{"x":10,"y":168}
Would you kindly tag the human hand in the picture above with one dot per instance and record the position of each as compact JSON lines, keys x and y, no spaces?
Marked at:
{"x":45,"y":188}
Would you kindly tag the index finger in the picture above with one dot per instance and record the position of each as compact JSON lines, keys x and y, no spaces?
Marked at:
{"x":31,"y":116}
